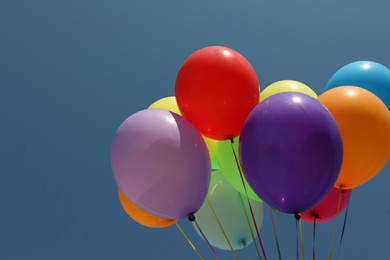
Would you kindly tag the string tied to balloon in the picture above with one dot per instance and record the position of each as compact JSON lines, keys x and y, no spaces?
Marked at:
{"x":188,"y":240}
{"x":342,"y":232}
{"x":249,"y":225}
{"x":192,"y":218}
{"x":221,"y":227}
{"x":246,"y":194}
{"x":314,"y":235}
{"x":334,"y":227}
{"x":275,"y":233}
{"x":297,"y":240}
{"x":297,"y":217}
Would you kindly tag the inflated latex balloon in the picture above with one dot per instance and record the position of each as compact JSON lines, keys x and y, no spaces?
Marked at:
{"x":216,"y":89}
{"x":291,"y":151}
{"x":286,"y":86}
{"x":215,"y":165}
{"x":328,"y":208}
{"x":229,"y":168}
{"x":142,"y":217}
{"x":170,"y":104}
{"x":369,"y":75}
{"x":161,"y":163}
{"x":364,"y":122}
{"x":227,"y":205}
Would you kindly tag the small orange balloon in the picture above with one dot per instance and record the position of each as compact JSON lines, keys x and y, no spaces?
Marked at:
{"x":142,"y":217}
{"x":364,"y":123}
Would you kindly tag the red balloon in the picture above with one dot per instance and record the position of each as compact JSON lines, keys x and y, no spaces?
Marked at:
{"x":328,"y":208}
{"x":216,"y":89}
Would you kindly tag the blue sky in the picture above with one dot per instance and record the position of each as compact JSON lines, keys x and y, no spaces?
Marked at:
{"x":72,"y":71}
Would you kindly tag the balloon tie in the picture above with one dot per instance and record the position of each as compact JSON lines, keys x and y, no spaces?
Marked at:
{"x":221,"y":227}
{"x":246,"y":193}
{"x":275,"y":234}
{"x":189,"y":241}
{"x":204,"y":237}
{"x":249,"y":225}
{"x":342,"y":232}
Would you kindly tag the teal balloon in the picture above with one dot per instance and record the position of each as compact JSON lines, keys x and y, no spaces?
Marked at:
{"x":227,"y":205}
{"x":369,"y":75}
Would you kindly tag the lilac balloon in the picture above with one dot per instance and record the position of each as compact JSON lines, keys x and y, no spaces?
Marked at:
{"x":161,"y":163}
{"x":291,"y":151}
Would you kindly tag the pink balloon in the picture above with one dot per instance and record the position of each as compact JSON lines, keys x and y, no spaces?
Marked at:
{"x":328,"y":208}
{"x":161,"y":163}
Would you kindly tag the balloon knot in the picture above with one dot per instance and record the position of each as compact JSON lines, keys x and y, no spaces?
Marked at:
{"x":191,"y":217}
{"x":243,"y":243}
{"x":231,"y":139}
{"x":315,"y":215}
{"x":297,"y":216}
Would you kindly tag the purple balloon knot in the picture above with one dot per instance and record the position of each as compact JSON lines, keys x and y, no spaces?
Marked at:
{"x":297,"y":216}
{"x":191,"y":217}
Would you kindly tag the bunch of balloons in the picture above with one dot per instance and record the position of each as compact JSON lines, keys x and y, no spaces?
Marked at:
{"x":299,"y":153}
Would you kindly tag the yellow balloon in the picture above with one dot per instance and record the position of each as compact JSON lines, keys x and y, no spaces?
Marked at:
{"x":170,"y":104}
{"x":167,"y":103}
{"x":287,"y":86}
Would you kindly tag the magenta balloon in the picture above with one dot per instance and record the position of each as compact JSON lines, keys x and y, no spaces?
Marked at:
{"x":161,"y":163}
{"x":329,"y":207}
{"x":291,"y":151}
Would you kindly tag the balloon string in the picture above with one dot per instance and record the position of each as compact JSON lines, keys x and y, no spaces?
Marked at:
{"x":221,"y":227}
{"x":342,"y":232}
{"x":205,"y":239}
{"x":297,"y":239}
{"x":332,"y":242}
{"x":314,"y":238}
{"x":249,"y":225}
{"x":334,"y":228}
{"x":189,"y":241}
{"x":339,"y":202}
{"x":275,"y":234}
{"x":246,"y":193}
{"x":301,"y":239}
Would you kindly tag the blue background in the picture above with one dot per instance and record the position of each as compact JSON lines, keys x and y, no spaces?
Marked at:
{"x":72,"y":71}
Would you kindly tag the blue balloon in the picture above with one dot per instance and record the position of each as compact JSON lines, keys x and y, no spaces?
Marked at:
{"x":365,"y":74}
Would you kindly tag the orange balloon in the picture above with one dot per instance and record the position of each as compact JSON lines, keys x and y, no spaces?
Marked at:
{"x":142,"y":217}
{"x":364,"y":123}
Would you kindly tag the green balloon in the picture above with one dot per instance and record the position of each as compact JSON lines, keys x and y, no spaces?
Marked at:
{"x":230,"y":210}
{"x":229,"y":168}
{"x":215,"y":164}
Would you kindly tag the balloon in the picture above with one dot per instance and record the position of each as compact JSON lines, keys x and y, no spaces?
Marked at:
{"x":364,"y":122}
{"x":229,"y":167}
{"x":328,"y":208}
{"x":215,"y":164}
{"x":286,"y":86}
{"x":161,"y":163}
{"x":228,"y":207}
{"x":365,"y":74}
{"x":216,"y":89}
{"x":170,"y":104}
{"x":142,"y":217}
{"x":291,"y":151}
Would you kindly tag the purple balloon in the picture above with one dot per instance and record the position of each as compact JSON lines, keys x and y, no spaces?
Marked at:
{"x":291,"y":151}
{"x":161,"y":163}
